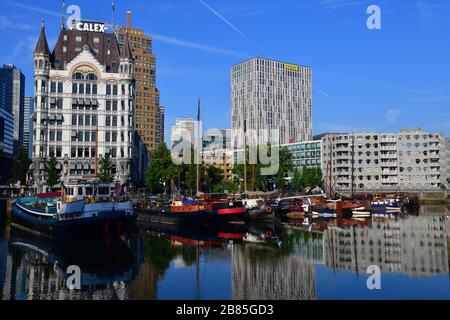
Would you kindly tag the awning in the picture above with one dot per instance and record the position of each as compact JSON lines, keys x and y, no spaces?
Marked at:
{"x":44,"y":116}
{"x":33,"y":166}
{"x":59,"y":117}
{"x":41,"y":166}
{"x":73,"y":166}
{"x":53,"y":100}
{"x":94,"y":102}
{"x":74,"y":134}
{"x":59,"y":166}
{"x":52,"y":117}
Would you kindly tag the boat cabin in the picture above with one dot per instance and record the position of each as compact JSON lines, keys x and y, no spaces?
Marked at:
{"x":93,"y":191}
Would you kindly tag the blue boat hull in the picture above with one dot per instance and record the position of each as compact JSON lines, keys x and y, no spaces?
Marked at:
{"x":105,"y":225}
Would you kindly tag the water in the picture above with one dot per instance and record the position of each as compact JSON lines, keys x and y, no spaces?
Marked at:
{"x":172,"y":263}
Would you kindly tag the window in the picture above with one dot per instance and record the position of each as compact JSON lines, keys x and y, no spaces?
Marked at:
{"x":78,"y":39}
{"x":94,"y":120}
{"x":59,"y":136}
{"x":74,"y":88}
{"x":96,"y":40}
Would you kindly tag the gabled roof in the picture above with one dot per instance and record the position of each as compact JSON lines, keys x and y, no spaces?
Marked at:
{"x":42,"y":44}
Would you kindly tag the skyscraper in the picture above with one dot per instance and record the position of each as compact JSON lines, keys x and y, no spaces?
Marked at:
{"x":28,"y":124}
{"x":12,"y":99}
{"x":84,"y":103}
{"x":148,"y":114}
{"x":273,"y":98}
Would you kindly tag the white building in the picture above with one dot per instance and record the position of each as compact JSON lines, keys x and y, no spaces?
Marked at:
{"x":271,"y":97}
{"x":410,"y":160}
{"x":183,"y":130}
{"x":83,"y":103}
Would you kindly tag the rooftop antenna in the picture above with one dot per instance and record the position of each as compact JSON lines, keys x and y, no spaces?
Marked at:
{"x":113,"y":23}
{"x":63,"y":22}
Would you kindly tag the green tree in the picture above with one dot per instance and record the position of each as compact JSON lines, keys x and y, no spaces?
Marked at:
{"x":297,"y":179}
{"x":105,"y":174}
{"x":229,"y":186}
{"x":20,"y":167}
{"x":213,"y":177}
{"x":52,"y":175}
{"x":286,"y":166}
{"x":162,"y":170}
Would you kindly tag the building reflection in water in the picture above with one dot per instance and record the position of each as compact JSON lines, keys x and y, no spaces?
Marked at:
{"x":35,"y":269}
{"x":415,"y":246}
{"x":259,"y":274}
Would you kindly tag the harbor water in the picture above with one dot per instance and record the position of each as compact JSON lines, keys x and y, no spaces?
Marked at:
{"x":330,"y":261}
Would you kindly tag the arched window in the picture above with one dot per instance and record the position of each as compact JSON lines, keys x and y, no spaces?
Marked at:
{"x":40,"y":64}
{"x":91,"y":77}
{"x":78,"y":76}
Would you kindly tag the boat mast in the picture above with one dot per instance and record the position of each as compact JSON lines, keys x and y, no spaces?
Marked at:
{"x":198,"y":148}
{"x":245,"y":156}
{"x":353,"y":166}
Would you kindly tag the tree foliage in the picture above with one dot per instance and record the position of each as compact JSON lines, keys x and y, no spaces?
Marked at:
{"x":262,"y":182}
{"x":52,"y":175}
{"x":105,"y":174}
{"x":162,"y":170}
{"x":20,"y":167}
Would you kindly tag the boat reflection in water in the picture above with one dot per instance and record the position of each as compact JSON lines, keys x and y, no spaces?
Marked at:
{"x":37,"y":269}
{"x":325,"y":260}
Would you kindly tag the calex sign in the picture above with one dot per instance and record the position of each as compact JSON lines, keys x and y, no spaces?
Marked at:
{"x":90,"y":26}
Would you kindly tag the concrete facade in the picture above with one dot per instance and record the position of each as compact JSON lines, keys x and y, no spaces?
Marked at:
{"x":406,"y":161}
{"x":272,"y":97}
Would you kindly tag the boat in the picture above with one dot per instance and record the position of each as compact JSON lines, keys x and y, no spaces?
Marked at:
{"x":85,"y":211}
{"x":203,"y":211}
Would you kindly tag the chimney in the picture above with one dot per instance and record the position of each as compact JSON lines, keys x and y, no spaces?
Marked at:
{"x":129,"y":19}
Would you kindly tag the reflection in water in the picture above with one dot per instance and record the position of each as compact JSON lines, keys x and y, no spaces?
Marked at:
{"x":263,"y":277}
{"x":161,"y":262}
{"x":415,"y":246}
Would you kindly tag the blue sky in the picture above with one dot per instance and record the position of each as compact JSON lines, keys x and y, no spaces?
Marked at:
{"x":363,"y":79}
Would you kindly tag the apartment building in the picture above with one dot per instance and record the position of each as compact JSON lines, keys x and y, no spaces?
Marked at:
{"x":370,"y":161}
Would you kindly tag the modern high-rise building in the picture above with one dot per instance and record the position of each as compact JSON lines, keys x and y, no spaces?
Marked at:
{"x":273,"y":99}
{"x":410,"y":160}
{"x":83,"y":103}
{"x":12,"y":99}
{"x":217,"y":151}
{"x":148,"y":114}
{"x":28,"y":124}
